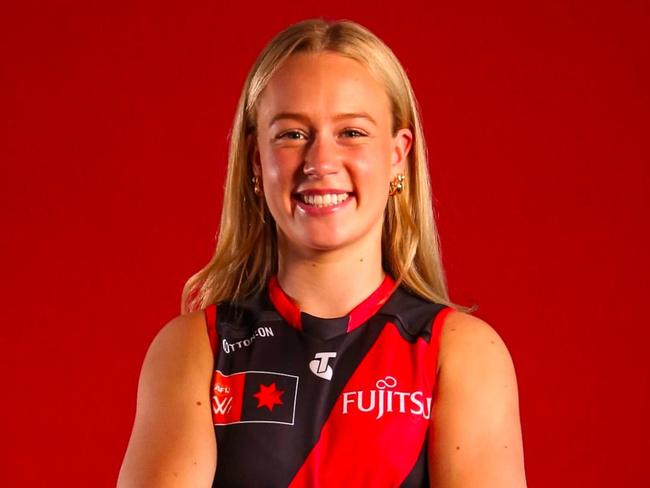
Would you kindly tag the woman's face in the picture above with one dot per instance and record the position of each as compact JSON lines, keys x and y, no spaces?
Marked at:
{"x":325,"y":152}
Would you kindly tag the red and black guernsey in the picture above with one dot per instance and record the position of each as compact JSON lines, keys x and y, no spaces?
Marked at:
{"x":303,"y":401}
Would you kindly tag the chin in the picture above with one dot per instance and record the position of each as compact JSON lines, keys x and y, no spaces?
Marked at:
{"x":324,"y":242}
{"x":319,"y":240}
{"x":323,"y":238}
{"x":324,"y":246}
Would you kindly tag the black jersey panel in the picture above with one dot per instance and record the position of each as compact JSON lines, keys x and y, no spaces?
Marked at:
{"x":413,"y":314}
{"x":419,"y":475}
{"x":323,"y":328}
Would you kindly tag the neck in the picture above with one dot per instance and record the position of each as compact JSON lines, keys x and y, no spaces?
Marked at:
{"x":330,"y":284}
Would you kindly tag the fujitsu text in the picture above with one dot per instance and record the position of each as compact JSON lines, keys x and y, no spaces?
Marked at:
{"x":385,"y":399}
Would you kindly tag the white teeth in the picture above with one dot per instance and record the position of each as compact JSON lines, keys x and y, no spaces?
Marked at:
{"x":326,"y":200}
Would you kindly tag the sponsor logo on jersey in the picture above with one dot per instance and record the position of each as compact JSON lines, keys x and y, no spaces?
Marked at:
{"x":386,"y":398}
{"x":229,"y":347}
{"x":254,"y":397}
{"x":320,"y":367}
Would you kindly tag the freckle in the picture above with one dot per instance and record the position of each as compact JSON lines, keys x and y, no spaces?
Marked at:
{"x":458,"y":448}
{"x":194,"y":462}
{"x":506,"y":447}
{"x":361,"y":260}
{"x":313,"y":265}
{"x":453,"y":329}
{"x":198,"y":403}
{"x":175,"y":474}
{"x":491,"y":342}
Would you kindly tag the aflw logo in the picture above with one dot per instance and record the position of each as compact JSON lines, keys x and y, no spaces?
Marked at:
{"x":221,"y":404}
{"x":384,"y":399}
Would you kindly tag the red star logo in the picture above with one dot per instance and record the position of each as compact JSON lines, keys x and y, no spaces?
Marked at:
{"x":268,"y":396}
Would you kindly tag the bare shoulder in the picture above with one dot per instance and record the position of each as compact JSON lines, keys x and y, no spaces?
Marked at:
{"x":179,"y":352}
{"x":477,"y":372}
{"x":181,"y":334}
{"x":467,"y":339}
{"x":476,"y":432}
{"x":172,"y":442}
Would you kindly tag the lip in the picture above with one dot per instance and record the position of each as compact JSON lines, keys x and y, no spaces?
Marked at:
{"x":322,"y":191}
{"x":314,"y":211}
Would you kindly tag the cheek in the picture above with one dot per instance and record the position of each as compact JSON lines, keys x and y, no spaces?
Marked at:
{"x":373,"y":170}
{"x":278,"y":165}
{"x":277,"y":178}
{"x":271,"y":173}
{"x":373,"y":175}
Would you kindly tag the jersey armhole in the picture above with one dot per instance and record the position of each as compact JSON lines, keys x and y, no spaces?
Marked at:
{"x":436,"y":332}
{"x":211,"y":325}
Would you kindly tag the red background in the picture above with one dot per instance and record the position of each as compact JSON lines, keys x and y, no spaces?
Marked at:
{"x":115,"y":119}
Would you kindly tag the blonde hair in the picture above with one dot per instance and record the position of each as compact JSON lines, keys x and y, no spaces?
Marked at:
{"x":246,"y":253}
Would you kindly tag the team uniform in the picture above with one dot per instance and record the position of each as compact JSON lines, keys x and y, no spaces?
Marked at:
{"x":303,"y":401}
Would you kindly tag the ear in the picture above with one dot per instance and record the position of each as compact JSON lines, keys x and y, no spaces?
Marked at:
{"x":402,"y":145}
{"x":254,"y":154}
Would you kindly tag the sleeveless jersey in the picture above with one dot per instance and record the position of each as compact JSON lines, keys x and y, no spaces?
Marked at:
{"x":303,"y":401}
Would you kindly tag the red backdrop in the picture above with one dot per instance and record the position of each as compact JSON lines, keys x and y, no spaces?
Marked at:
{"x":114,"y":135}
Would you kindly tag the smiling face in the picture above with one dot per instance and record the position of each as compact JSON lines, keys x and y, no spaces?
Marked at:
{"x":325,"y":153}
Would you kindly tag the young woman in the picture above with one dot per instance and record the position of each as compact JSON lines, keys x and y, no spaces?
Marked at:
{"x":319,"y":346}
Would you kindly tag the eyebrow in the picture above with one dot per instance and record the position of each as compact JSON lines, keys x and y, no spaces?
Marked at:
{"x":303,"y":118}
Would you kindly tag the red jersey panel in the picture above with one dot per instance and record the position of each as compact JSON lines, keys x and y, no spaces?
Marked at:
{"x":302,"y":401}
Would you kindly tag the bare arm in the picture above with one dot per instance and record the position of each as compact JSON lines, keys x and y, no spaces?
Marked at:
{"x":172,"y":443}
{"x":475,"y":435}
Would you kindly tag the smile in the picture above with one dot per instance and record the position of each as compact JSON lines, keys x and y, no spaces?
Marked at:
{"x":326,"y":200}
{"x":322,"y":202}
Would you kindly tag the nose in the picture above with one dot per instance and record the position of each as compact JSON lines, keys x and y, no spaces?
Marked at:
{"x":321,"y":157}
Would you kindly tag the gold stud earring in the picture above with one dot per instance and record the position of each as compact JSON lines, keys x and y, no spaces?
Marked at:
{"x":257,"y":187}
{"x":396,"y":185}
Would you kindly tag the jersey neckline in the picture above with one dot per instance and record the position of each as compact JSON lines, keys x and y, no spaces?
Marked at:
{"x":291,"y":313}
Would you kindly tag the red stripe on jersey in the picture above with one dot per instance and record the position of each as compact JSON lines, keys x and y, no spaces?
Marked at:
{"x":211,"y":324}
{"x":289,"y":310}
{"x":366,"y":309}
{"x":286,"y":307}
{"x":377,"y":427}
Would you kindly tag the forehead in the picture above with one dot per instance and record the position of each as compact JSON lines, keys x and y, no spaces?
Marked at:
{"x":321,"y":85}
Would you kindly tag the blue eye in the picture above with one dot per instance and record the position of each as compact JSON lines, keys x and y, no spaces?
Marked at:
{"x":291,"y":132}
{"x":295,"y":135}
{"x":354,"y":131}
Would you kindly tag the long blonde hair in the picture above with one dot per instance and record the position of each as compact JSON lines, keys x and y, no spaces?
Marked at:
{"x":246,"y":252}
